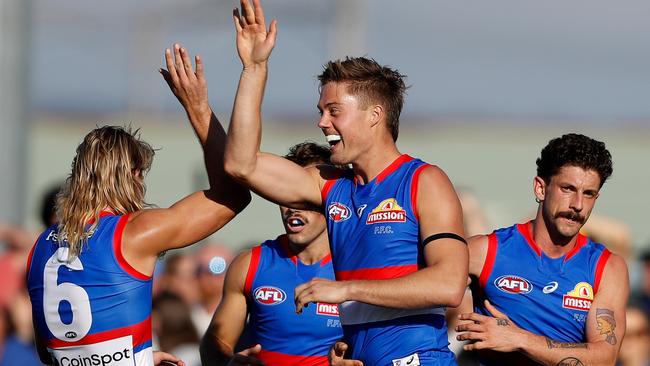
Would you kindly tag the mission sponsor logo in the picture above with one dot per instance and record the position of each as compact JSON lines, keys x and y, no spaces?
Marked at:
{"x":513,"y":284}
{"x":327,"y":309}
{"x":338,"y":212}
{"x":387,"y":211}
{"x":269,"y":295}
{"x":580,"y":298}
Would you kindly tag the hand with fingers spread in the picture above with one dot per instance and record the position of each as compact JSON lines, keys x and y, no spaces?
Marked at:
{"x":247,"y":357}
{"x":189,"y":87}
{"x":337,"y":354}
{"x":496,"y":332}
{"x":320,"y":290}
{"x":254,"y":42}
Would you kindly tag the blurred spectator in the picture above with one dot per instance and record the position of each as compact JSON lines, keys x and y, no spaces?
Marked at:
{"x":474,"y":217}
{"x":16,"y":329}
{"x":179,"y":277}
{"x":611,"y":232}
{"x":174,"y":329}
{"x":642,"y":295}
{"x":16,"y":334}
{"x":635,"y":349}
{"x":212,"y":260}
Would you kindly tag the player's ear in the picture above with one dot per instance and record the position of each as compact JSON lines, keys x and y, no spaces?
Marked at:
{"x":377,"y":114}
{"x":539,"y":189}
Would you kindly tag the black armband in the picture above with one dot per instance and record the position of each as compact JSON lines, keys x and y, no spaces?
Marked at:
{"x":433,"y":237}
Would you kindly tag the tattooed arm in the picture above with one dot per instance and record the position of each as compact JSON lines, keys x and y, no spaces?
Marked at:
{"x":604,"y":330}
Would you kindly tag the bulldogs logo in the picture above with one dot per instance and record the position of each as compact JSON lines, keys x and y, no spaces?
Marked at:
{"x":580,"y":298}
{"x":269,"y":295}
{"x":338,"y":212}
{"x":513,"y":284}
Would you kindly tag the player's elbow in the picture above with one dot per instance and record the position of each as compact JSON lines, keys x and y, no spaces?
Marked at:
{"x":452,"y":293}
{"x":238,"y":169}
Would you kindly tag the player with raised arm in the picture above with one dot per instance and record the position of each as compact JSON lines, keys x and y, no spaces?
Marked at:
{"x":394,"y":222}
{"x":90,"y":276}
{"x":544,"y":293}
{"x":260,"y":283}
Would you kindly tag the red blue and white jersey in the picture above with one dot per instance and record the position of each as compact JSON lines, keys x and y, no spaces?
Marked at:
{"x":288,"y":338}
{"x":374,"y":234}
{"x":94,"y":309}
{"x":546,"y":296}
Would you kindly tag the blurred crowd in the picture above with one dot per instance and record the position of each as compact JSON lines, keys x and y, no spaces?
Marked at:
{"x":188,"y":288}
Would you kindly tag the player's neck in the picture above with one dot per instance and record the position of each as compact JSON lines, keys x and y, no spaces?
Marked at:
{"x":374,"y":161}
{"x":554,"y":246}
{"x":313,"y":252}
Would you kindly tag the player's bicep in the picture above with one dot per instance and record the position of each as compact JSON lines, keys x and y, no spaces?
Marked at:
{"x":441,"y":218}
{"x":606,"y":318}
{"x":284,"y":182}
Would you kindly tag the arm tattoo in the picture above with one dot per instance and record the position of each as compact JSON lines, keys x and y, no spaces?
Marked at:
{"x":502,"y":322}
{"x":606,"y":324}
{"x":557,"y":344}
{"x":570,"y":361}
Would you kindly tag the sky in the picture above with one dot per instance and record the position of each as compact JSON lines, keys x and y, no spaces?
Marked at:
{"x":576,"y":60}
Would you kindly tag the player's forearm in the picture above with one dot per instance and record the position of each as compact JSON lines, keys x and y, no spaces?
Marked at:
{"x":213,"y":353}
{"x":245,"y":130}
{"x":555,"y":353}
{"x":424,"y":288}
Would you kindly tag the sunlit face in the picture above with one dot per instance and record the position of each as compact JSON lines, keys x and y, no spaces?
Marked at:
{"x":567,"y":200}
{"x":303,"y":226}
{"x":344,"y":123}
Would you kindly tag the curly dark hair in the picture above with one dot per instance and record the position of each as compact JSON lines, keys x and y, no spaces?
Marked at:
{"x":578,"y":150}
{"x":372,"y":83}
{"x":307,"y":153}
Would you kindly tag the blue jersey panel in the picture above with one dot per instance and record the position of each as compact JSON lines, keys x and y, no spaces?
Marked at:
{"x":93,"y":303}
{"x":547,"y":296}
{"x":288,"y":338}
{"x":374,"y":234}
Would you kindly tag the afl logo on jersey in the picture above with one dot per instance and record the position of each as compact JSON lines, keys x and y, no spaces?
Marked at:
{"x":387,"y":211}
{"x":269,"y":295}
{"x":338,"y":212}
{"x":513,"y":284}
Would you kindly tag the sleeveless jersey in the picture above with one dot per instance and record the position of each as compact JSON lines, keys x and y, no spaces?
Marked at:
{"x":288,"y":338}
{"x":94,"y":309}
{"x":546,"y":296}
{"x":374,"y":234}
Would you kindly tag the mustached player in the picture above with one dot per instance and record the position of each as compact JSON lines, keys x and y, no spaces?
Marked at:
{"x":546,"y":294}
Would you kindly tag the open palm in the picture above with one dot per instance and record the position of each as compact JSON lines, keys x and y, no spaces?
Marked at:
{"x":254,"y":42}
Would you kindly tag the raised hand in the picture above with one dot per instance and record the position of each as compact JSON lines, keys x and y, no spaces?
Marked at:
{"x":189,"y":87}
{"x":336,"y":354}
{"x":254,"y":42}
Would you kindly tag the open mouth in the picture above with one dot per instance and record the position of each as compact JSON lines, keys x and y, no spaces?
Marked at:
{"x":333,"y":139}
{"x":295,"y":224}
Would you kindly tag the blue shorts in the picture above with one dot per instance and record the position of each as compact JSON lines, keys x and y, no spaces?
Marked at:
{"x":420,"y":339}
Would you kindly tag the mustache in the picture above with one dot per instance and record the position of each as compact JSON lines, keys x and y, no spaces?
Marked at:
{"x":571,"y":215}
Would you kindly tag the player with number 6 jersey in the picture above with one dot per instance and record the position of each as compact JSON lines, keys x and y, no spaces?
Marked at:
{"x":89,"y":276}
